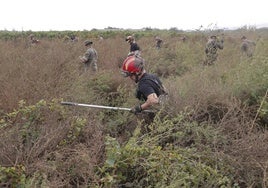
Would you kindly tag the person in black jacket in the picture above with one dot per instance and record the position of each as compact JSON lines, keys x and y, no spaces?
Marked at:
{"x":149,"y":86}
{"x":134,"y":47}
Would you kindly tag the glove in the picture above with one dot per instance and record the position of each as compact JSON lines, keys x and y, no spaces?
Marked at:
{"x":82,"y":59}
{"x":130,"y":54}
{"x":136,"y":109}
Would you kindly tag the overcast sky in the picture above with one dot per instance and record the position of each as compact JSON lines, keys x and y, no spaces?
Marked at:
{"x":58,"y":15}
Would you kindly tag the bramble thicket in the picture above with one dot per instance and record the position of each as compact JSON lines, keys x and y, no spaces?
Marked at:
{"x":212,"y":132}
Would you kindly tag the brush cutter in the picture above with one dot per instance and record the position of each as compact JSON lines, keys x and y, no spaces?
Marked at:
{"x":99,"y":106}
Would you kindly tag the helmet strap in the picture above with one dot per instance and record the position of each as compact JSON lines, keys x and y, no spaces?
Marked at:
{"x":136,"y":78}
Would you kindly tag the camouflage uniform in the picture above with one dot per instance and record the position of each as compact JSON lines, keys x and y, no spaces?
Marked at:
{"x":183,"y":38}
{"x":90,"y":57}
{"x":247,"y":47}
{"x":33,"y":41}
{"x":212,"y":47}
{"x":158,"y":42}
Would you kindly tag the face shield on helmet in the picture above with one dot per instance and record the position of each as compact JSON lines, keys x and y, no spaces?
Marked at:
{"x":133,"y":65}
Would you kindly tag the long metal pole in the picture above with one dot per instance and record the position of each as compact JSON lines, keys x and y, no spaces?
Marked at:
{"x":99,"y":106}
{"x":95,"y":106}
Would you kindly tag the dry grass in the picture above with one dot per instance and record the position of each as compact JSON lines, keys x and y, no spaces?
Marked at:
{"x":52,"y":70}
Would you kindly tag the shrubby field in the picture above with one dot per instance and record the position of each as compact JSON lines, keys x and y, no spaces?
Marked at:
{"x":211,"y":133}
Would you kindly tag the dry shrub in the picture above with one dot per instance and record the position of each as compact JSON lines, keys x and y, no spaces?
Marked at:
{"x":26,"y":138}
{"x":55,"y":149}
{"x":207,"y":100}
{"x":35,"y":73}
{"x":74,"y":165}
{"x":52,"y":70}
{"x":112,"y":52}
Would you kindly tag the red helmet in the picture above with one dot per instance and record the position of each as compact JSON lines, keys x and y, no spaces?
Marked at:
{"x":133,"y":65}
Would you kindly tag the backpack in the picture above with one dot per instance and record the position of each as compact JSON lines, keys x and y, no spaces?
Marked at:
{"x":160,"y":90}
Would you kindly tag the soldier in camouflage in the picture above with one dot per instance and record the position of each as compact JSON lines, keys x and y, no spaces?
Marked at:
{"x":211,"y":49}
{"x":90,"y":57}
{"x":247,"y":47}
{"x":158,"y":41}
{"x":32,"y":40}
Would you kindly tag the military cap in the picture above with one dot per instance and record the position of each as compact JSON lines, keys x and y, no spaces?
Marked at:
{"x":243,"y":37}
{"x":88,"y":42}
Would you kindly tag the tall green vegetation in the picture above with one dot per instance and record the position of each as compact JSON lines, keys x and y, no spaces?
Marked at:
{"x":212,"y":132}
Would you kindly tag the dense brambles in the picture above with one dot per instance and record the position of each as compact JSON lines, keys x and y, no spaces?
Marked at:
{"x":211,"y":133}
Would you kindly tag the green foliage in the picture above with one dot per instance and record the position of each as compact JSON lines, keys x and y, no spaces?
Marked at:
{"x":249,"y":81}
{"x":77,"y":125}
{"x":28,"y":114}
{"x":29,"y":118}
{"x":101,"y":84}
{"x":264,"y":110}
{"x":12,"y":176}
{"x":15,"y":176}
{"x":33,"y":112}
{"x":145,"y":161}
{"x":109,"y":91}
